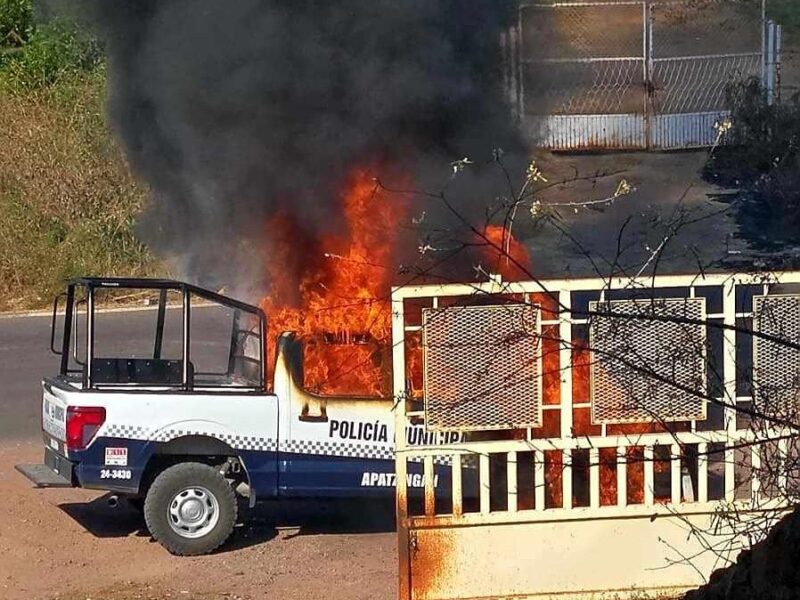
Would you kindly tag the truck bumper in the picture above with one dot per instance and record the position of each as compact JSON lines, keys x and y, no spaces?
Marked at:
{"x":56,"y":471}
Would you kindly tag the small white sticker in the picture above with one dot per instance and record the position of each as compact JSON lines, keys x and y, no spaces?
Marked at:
{"x":117,"y":457}
{"x":54,"y":444}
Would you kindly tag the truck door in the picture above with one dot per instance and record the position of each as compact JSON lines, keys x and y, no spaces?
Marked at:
{"x":330,"y":446}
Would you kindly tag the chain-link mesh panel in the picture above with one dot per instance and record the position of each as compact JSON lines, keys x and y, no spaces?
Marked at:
{"x":691,"y":85}
{"x":481,"y":367}
{"x":776,"y":361}
{"x":570,"y":66}
{"x":705,"y":27}
{"x":570,"y":32}
{"x":699,"y":48}
{"x":646,"y":359}
{"x":591,"y":88}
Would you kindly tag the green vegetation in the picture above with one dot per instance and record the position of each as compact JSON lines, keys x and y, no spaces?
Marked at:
{"x":68,"y":202}
{"x":762,"y":161}
{"x":785,"y":12}
{"x":16,"y":22}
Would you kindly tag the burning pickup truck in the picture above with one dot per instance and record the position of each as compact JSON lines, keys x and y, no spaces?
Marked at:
{"x":182,"y":427}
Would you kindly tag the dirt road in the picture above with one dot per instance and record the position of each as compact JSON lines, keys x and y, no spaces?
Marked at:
{"x":70,"y":545}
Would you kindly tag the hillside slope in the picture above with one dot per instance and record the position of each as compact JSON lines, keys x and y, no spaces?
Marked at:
{"x":68,"y":202}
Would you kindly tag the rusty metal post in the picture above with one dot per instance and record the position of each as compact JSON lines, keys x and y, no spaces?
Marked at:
{"x":565,"y":377}
{"x":401,"y":466}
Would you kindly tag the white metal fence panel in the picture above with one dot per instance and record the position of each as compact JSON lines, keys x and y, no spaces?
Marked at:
{"x":481,"y":367}
{"x":584,"y":132}
{"x":652,"y":506}
{"x":665,"y":339}
{"x":687,"y":130}
{"x":776,"y":364}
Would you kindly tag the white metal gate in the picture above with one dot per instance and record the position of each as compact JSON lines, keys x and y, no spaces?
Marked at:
{"x":633,"y":74}
{"x":627,"y":482}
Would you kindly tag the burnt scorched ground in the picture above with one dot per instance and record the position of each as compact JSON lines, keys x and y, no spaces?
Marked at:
{"x":578,"y":236}
{"x":69,"y":545}
{"x":673,"y":221}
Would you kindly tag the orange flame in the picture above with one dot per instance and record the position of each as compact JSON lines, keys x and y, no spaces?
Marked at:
{"x":334,"y":292}
{"x":504,"y":254}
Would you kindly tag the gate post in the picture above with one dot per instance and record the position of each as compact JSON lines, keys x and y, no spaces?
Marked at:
{"x":647,"y":40}
{"x":773,"y":42}
{"x":400,"y":464}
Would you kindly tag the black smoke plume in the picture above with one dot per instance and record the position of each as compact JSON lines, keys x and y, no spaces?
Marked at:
{"x":231,"y":111}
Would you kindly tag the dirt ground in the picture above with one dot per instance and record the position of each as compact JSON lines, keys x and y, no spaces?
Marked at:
{"x":70,"y":545}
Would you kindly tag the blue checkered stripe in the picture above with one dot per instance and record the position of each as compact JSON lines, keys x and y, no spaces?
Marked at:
{"x":332,"y":448}
{"x":240,"y":442}
{"x":237,"y":441}
{"x":257,"y":443}
{"x":131,"y":432}
{"x":437,"y":460}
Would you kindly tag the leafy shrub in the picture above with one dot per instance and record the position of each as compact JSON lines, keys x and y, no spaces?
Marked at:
{"x":16,"y":22}
{"x":762,"y":159}
{"x":53,"y":50}
{"x":785,"y":12}
{"x":763,"y":137}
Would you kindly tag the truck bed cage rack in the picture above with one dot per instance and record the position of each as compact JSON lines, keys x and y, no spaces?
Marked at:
{"x":162,"y":284}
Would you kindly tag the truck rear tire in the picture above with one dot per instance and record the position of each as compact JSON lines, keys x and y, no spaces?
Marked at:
{"x":190,"y":509}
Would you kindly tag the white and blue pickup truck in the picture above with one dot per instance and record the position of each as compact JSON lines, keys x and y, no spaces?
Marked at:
{"x":182,"y":425}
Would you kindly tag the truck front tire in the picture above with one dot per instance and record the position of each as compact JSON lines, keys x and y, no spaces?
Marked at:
{"x":190,"y":509}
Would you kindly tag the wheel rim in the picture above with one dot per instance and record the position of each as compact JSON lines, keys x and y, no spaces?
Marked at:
{"x":193,"y":512}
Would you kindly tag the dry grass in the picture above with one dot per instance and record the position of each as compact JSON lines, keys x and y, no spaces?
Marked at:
{"x":68,"y":201}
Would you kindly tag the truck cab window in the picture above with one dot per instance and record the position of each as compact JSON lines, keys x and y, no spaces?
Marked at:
{"x":225,"y":345}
